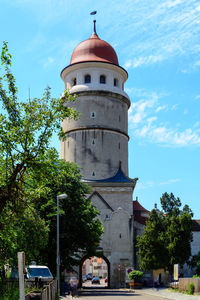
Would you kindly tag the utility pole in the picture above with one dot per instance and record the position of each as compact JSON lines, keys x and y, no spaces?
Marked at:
{"x":63,"y":196}
{"x":21,"y":266}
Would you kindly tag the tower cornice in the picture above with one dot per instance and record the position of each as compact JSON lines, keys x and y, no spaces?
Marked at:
{"x":97,"y":128}
{"x":103,"y":93}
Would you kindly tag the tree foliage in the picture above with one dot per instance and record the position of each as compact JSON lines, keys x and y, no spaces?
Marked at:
{"x":195,"y":263}
{"x":80,"y":228}
{"x":25,"y":131}
{"x":166,"y":234}
{"x":32,"y":175}
{"x":136,"y":275}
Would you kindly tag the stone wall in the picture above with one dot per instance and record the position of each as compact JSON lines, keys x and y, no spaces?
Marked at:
{"x":185,"y":282}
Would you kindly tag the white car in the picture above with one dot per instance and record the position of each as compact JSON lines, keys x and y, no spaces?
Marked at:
{"x":41,"y":272}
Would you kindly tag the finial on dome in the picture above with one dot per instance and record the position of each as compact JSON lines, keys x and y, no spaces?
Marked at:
{"x":94,"y":13}
{"x":95,"y":26}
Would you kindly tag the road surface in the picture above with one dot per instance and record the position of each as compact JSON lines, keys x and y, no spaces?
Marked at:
{"x":88,"y":283}
{"x":112,"y":294}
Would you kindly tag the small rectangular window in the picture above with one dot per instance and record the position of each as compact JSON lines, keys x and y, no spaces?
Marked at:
{"x":93,"y":114}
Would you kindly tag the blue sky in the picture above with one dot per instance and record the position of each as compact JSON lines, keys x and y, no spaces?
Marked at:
{"x":158,"y":42}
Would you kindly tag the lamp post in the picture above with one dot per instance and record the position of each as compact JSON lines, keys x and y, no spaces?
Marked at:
{"x":63,"y":196}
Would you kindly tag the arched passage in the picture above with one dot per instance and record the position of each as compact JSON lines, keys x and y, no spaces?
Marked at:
{"x":89,"y":257}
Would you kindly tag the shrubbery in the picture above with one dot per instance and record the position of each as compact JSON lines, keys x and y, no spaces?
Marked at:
{"x":136,"y":275}
{"x":9,"y":292}
{"x":191,"y":288}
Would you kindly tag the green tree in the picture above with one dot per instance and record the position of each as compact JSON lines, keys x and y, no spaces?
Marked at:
{"x":195,"y":263}
{"x":26,"y":128}
{"x":165,"y":236}
{"x":80,"y":228}
{"x":32,"y":175}
{"x":21,"y":231}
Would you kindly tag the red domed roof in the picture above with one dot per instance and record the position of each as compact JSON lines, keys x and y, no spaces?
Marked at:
{"x":94,"y":49}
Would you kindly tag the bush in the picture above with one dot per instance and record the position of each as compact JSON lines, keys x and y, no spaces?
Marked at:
{"x":9,"y":291}
{"x":136,"y":275}
{"x":191,"y":288}
{"x":195,"y":276}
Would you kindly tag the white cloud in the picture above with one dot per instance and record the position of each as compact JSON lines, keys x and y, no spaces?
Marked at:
{"x":169,"y":181}
{"x":174,"y":107}
{"x":192,"y":67}
{"x":150,"y":183}
{"x":48,"y":62}
{"x":143,"y":60}
{"x":140,"y":109}
{"x":145,"y":185}
{"x":169,"y":136}
{"x":173,"y":3}
{"x":197,"y":124}
{"x":46,"y":11}
{"x":128,"y":64}
{"x":159,"y":108}
{"x":170,"y":29}
{"x":146,"y":125}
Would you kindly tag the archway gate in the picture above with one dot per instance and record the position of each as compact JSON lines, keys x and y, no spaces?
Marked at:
{"x":88,"y":257}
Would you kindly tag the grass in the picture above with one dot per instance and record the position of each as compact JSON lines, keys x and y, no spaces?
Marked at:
{"x":174,"y":290}
{"x":11,"y":290}
{"x":186,"y":292}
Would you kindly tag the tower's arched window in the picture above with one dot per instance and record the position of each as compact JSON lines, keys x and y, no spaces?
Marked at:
{"x":87,"y":78}
{"x":73,"y":81}
{"x":115,"y":82}
{"x":102,"y":79}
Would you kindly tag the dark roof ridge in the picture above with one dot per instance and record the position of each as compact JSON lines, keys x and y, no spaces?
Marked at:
{"x":118,"y":177}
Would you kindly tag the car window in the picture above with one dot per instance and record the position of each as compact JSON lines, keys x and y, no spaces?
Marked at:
{"x":37,"y":272}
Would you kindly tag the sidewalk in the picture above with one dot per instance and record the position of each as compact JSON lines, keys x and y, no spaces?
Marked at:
{"x":168,"y":294}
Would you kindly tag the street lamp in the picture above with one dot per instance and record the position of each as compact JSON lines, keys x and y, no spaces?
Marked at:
{"x":62,"y":196}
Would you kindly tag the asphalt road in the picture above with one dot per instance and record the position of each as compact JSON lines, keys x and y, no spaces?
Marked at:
{"x":88,"y":283}
{"x":109,"y":294}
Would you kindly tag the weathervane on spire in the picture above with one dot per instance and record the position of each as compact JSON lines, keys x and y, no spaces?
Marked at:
{"x":94,"y":13}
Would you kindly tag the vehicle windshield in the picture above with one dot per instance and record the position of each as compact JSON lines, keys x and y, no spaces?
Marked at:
{"x":39,"y":272}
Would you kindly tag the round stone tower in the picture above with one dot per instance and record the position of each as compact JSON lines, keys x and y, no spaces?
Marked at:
{"x":98,"y":141}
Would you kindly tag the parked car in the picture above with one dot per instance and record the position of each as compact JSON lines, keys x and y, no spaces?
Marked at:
{"x":41,"y":272}
{"x":95,"y":280}
{"x":89,"y":276}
